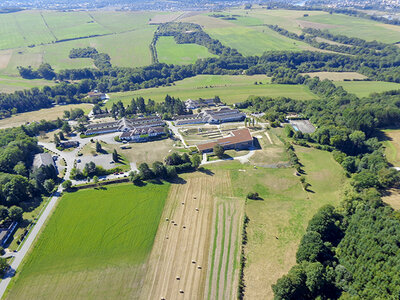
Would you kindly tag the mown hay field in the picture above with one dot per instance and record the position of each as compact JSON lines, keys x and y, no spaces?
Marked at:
{"x":365,"y":88}
{"x":170,"y":52}
{"x":231,"y":89}
{"x":95,"y":245}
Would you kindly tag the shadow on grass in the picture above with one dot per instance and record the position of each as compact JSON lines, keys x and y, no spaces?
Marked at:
{"x":206,"y":171}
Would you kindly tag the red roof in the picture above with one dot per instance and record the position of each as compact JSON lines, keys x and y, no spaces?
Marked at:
{"x":239,"y":136}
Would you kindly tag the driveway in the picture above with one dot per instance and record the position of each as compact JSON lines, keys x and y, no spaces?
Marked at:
{"x":176,"y":132}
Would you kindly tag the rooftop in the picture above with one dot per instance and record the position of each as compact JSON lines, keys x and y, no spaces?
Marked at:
{"x":238,"y":136}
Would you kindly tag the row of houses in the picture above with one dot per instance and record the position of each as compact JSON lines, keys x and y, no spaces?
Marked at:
{"x":200,"y":103}
{"x":142,"y":134}
{"x":218,"y":116}
{"x":123,"y":125}
{"x":238,"y":140}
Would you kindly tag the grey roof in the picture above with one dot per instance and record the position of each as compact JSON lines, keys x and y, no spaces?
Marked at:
{"x":43,"y":159}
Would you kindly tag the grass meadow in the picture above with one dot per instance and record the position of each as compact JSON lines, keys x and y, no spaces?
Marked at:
{"x":9,"y":84}
{"x":170,"y":52}
{"x":365,"y":88}
{"x":231,"y":89}
{"x":278,"y":221}
{"x":95,"y":245}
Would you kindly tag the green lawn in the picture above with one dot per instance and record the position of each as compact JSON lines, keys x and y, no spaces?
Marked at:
{"x":365,"y":88}
{"x":94,"y":246}
{"x":10,"y":84}
{"x":170,"y":52}
{"x":231,"y":89}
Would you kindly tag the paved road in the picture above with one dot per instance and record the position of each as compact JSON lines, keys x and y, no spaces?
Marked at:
{"x":175,"y":130}
{"x":19,"y":256}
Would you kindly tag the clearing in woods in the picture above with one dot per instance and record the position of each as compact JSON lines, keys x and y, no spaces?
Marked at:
{"x":170,"y":52}
{"x":202,"y":258}
{"x":336,"y":76}
{"x":391,"y":141}
{"x":95,"y":245}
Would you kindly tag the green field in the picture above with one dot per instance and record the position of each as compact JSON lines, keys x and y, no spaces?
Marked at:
{"x":278,"y":221}
{"x":95,"y":245}
{"x":9,"y":84}
{"x":170,"y":52}
{"x":365,"y":88}
{"x":231,"y":89}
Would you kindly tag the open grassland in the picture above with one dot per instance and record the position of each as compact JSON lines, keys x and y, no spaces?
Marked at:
{"x":392,"y":197}
{"x":48,"y":114}
{"x":125,"y":36}
{"x":278,"y":221}
{"x":336,"y":76}
{"x":95,"y":246}
{"x":170,"y":52}
{"x":199,"y":247}
{"x":231,"y":89}
{"x":365,"y":88}
{"x":9,"y":84}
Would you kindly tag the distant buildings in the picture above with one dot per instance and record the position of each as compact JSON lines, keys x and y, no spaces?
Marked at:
{"x":69,"y":144}
{"x":239,"y":140}
{"x":209,"y":116}
{"x":201,"y":103}
{"x":97,"y":95}
{"x":142,"y":134}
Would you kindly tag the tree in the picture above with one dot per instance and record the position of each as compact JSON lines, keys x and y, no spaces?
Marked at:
{"x":311,"y":248}
{"x":61,"y":135}
{"x":135,"y":177}
{"x":219,"y":150}
{"x":3,"y":266}
{"x":66,"y":128}
{"x":49,"y":185}
{"x":171,"y":172}
{"x":20,"y":169}
{"x":89,"y":170}
{"x":95,"y":180}
{"x":98,"y":147}
{"x":56,"y":139}
{"x":253,"y":196}
{"x":67,"y":184}
{"x":115,"y":155}
{"x":145,"y":172}
{"x":3,"y":213}
{"x":67,"y":114}
{"x":15,"y":213}
{"x":159,"y":169}
{"x":196,"y":161}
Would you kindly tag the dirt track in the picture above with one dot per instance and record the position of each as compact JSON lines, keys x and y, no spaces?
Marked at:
{"x":176,"y":247}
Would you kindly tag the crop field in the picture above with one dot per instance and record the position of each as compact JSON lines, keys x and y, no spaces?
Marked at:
{"x":196,"y":248}
{"x":48,"y":114}
{"x":278,"y":220}
{"x":107,"y":236}
{"x":365,"y":88}
{"x":355,"y":27}
{"x":125,"y":36}
{"x":231,"y":89}
{"x":336,"y":76}
{"x":170,"y":52}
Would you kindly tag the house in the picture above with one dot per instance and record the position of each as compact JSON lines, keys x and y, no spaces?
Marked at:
{"x":238,"y":140}
{"x":97,"y":95}
{"x":142,"y":134}
{"x":69,"y":144}
{"x":43,"y":159}
{"x":210,"y":116}
{"x":123,"y":125}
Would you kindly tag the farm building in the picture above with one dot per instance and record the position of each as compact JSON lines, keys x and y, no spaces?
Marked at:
{"x":239,"y":140}
{"x":43,"y":159}
{"x":210,"y":116}
{"x":142,"y":134}
{"x":123,"y":125}
{"x":97,"y":95}
{"x":193,"y":104}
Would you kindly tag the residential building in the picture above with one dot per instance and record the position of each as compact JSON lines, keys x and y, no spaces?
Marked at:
{"x":142,"y":134}
{"x":200,"y":103}
{"x":97,"y":95}
{"x":69,"y":144}
{"x":43,"y":159}
{"x":238,"y":140}
{"x":216,"y":116}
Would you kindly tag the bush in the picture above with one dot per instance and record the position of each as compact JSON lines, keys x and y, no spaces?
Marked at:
{"x":253,"y":196}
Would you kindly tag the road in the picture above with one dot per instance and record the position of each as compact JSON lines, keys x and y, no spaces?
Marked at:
{"x":175,"y":130}
{"x":243,"y":159}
